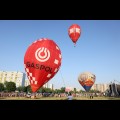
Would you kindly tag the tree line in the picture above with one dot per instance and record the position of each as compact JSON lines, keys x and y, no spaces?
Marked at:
{"x":11,"y":87}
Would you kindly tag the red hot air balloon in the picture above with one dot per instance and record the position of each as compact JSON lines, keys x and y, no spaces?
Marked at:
{"x":74,"y":33}
{"x":42,"y":61}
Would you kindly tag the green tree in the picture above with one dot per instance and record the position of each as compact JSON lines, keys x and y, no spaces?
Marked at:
{"x":75,"y":90}
{"x":29,"y":89}
{"x":23,"y":89}
{"x":1,"y":87}
{"x":62,"y":89}
{"x":10,"y":86}
{"x":57,"y":91}
{"x":48,"y":90}
{"x":82,"y":91}
{"x":41,"y":90}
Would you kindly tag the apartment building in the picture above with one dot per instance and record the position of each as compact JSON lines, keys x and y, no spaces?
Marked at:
{"x":13,"y":76}
{"x":100,"y":87}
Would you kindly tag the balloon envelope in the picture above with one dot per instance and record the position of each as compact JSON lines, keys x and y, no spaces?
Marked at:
{"x":87,"y":79}
{"x":74,"y":32}
{"x":42,"y":61}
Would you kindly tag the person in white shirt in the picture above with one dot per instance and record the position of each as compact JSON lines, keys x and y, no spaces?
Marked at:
{"x":70,"y":97}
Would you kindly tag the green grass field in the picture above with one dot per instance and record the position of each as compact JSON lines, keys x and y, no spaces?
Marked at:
{"x":60,"y":98}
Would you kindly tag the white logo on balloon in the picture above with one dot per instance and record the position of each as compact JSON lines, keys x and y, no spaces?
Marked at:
{"x":42,"y":58}
{"x":72,"y":30}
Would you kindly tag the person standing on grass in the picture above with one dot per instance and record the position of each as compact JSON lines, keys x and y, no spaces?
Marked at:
{"x":70,"y":97}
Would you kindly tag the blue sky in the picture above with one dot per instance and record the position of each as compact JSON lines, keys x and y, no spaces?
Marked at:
{"x":97,"y":50}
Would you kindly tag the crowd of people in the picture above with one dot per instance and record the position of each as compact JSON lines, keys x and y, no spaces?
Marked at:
{"x":68,"y":96}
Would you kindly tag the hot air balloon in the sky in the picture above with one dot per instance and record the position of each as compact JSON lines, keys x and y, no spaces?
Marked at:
{"x":74,"y":32}
{"x":87,"y":79}
{"x":42,"y":61}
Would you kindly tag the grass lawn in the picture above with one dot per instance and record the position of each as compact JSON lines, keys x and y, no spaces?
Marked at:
{"x":60,"y":98}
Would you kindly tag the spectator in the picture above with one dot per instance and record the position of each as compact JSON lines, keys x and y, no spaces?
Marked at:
{"x":70,"y":97}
